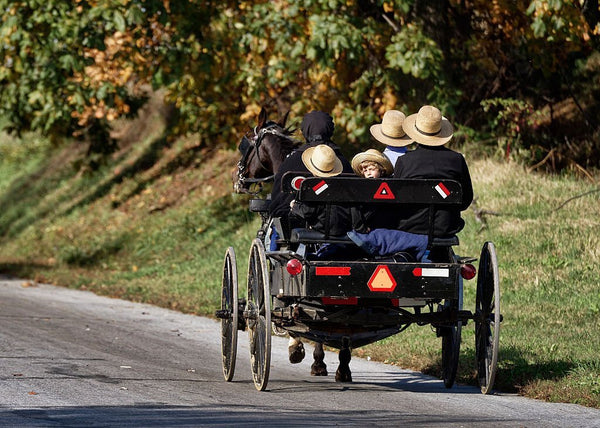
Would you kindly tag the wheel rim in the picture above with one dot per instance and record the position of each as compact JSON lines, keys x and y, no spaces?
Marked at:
{"x":487,"y":325}
{"x":229,"y":304}
{"x":259,"y":315}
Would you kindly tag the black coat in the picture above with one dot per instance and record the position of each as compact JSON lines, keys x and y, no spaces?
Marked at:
{"x":333,"y":220}
{"x":366,"y":217}
{"x":280,"y":201}
{"x":434,"y":162}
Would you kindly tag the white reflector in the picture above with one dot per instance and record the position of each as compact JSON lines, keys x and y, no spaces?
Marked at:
{"x":431,"y":272}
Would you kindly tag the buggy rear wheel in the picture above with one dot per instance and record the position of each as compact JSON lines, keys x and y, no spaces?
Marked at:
{"x":229,"y":314}
{"x":487,"y":318}
{"x":258,"y":314}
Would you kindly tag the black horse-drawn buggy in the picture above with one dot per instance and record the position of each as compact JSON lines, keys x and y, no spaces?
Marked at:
{"x":350,"y":302}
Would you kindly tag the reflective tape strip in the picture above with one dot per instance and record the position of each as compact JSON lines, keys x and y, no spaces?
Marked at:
{"x":320,"y":187}
{"x":431,"y":272}
{"x":442,"y":190}
{"x":332,"y":271}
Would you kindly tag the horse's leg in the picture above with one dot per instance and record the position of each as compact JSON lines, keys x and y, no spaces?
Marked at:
{"x":318,"y":368}
{"x":295,"y":350}
{"x":343,"y":373}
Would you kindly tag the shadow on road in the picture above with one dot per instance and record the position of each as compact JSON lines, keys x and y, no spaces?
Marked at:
{"x":178,"y":416}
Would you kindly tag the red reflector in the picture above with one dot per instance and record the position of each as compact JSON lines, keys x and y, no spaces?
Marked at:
{"x":294,"y":267}
{"x":468,"y":271}
{"x":332,"y":271}
{"x":297,"y":182}
{"x":340,"y":300}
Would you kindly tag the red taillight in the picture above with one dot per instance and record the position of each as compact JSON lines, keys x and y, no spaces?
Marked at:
{"x":294,"y":267}
{"x":468,"y":271}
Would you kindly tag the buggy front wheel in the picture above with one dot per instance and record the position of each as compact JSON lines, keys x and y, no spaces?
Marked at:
{"x":258,"y":315}
{"x":451,"y":338}
{"x":450,"y":352}
{"x":487,"y":318}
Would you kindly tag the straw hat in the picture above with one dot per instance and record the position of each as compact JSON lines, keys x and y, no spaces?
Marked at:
{"x":375,"y":156}
{"x":390,"y":131}
{"x":322,"y":161}
{"x":428,"y":127}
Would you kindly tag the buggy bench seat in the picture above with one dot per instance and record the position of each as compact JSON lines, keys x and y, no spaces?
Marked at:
{"x":352,"y":191}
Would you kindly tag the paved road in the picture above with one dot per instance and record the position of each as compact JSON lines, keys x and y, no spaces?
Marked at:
{"x":70,"y":358}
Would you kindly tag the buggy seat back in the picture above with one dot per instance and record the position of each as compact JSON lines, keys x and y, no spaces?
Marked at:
{"x":352,"y":191}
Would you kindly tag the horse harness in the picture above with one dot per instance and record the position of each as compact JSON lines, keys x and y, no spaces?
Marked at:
{"x":251,"y":145}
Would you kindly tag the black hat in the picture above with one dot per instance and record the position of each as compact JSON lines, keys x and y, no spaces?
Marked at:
{"x":317,"y":126}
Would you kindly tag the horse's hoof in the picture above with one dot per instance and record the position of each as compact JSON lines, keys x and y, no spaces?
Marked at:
{"x":296,"y":352}
{"x":318,"y":369}
{"x":343,"y":377}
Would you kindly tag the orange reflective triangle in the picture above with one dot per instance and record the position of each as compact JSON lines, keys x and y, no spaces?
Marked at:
{"x":382,"y":280}
{"x":384,"y":192}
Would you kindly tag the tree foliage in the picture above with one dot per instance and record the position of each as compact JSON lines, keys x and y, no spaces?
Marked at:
{"x":73,"y":67}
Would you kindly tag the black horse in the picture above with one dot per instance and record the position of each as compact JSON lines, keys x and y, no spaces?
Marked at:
{"x":263,"y":150}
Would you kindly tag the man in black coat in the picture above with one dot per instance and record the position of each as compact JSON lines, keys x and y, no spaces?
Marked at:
{"x":431,"y":159}
{"x":317,"y":128}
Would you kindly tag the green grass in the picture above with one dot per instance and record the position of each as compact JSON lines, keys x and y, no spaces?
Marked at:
{"x":153,"y":226}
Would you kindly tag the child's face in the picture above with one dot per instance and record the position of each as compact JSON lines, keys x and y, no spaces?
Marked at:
{"x":371,"y":171}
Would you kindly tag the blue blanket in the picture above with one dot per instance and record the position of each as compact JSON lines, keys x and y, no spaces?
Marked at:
{"x":384,"y":242}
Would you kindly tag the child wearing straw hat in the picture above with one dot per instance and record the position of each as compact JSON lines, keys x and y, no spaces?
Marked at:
{"x":372,"y":164}
{"x":373,"y":226}
{"x":365,"y":217}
